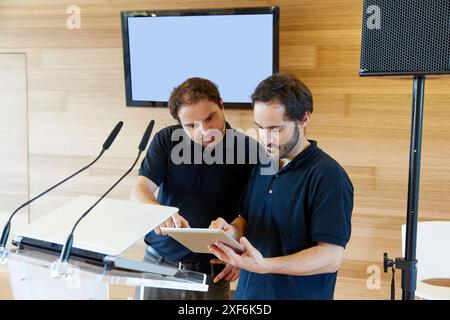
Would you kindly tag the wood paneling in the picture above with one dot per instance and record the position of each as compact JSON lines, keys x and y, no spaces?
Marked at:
{"x":13,"y":135}
{"x":13,"y":145}
{"x":76,"y":95}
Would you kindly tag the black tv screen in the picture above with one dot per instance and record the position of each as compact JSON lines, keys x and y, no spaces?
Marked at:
{"x":234,"y":48}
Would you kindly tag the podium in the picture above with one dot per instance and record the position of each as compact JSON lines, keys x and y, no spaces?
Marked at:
{"x":32,"y":277}
{"x":35,"y":271}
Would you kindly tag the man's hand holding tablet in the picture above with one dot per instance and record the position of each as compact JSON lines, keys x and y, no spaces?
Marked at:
{"x":198,"y":239}
{"x":230,"y":272}
{"x":175,"y":221}
{"x":250,"y":259}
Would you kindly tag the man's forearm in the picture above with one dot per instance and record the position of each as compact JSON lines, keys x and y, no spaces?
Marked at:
{"x":143,"y":194}
{"x":320,"y":259}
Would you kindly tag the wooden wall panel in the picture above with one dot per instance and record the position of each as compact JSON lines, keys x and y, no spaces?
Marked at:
{"x":13,"y":146}
{"x":13,"y":136}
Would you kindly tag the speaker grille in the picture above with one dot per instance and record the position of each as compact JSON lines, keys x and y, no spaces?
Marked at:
{"x":413,"y":38}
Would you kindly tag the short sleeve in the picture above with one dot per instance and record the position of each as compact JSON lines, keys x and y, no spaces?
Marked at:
{"x":154,"y":165}
{"x":331,"y":211}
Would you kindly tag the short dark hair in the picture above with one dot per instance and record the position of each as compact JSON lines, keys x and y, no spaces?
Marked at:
{"x":192,"y":91}
{"x":287,"y":90}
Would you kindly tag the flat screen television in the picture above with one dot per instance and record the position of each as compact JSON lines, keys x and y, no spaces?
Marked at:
{"x":235,"y":48}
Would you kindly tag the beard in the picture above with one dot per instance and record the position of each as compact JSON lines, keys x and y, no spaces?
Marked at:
{"x":285,"y":149}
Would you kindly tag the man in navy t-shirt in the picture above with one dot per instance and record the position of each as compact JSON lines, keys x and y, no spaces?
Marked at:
{"x":201,"y":166}
{"x":297,"y":218}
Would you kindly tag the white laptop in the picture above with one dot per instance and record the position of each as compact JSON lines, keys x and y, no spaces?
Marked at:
{"x":109,"y":229}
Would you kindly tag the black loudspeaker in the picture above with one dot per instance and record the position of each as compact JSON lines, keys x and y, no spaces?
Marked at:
{"x":405,"y":37}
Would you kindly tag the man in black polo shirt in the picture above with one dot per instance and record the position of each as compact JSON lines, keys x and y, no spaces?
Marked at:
{"x":201,"y":166}
{"x":297,"y":221}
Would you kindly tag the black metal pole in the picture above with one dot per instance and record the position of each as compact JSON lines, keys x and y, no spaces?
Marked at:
{"x":409,"y":276}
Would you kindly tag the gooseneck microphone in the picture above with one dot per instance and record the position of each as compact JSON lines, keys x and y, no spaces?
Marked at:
{"x":112,"y":136}
{"x":65,"y":253}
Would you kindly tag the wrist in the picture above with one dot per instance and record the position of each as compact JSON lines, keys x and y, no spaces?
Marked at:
{"x":268,"y":265}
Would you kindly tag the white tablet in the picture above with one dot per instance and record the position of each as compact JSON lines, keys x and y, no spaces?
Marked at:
{"x":198,"y":239}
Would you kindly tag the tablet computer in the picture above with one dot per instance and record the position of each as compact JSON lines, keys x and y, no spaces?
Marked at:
{"x":198,"y":239}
